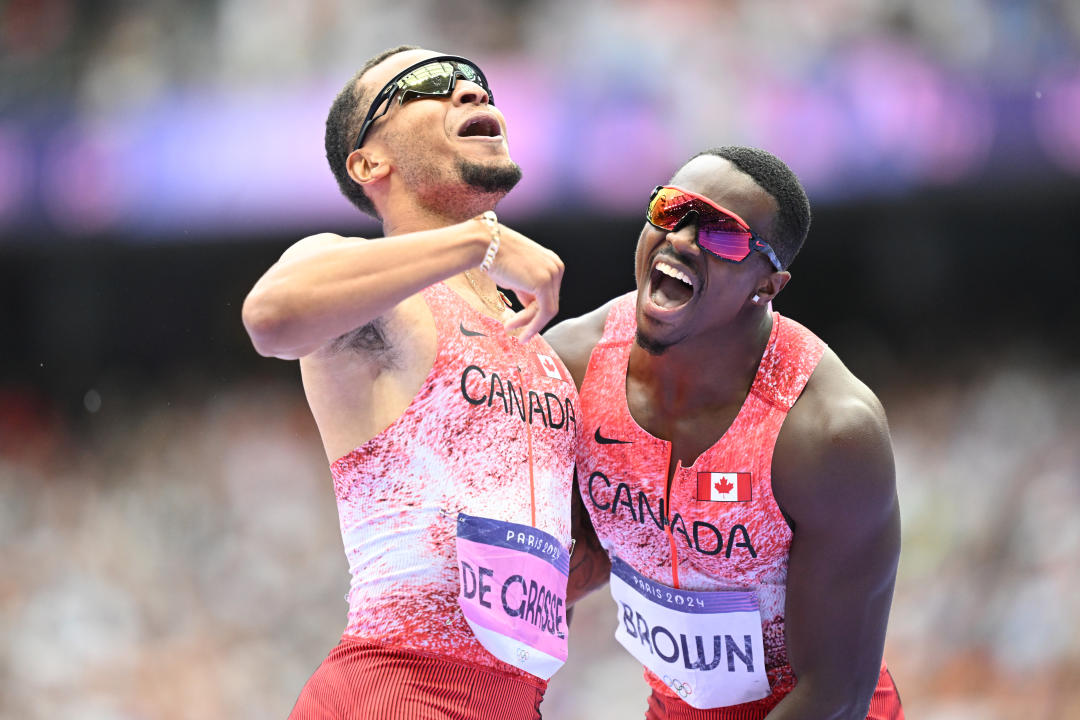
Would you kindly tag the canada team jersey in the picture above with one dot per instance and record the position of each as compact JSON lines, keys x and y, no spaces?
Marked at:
{"x":490,"y":433}
{"x":720,"y":528}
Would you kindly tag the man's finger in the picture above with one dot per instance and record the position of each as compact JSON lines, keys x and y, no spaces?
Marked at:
{"x":547,"y":305}
{"x":533,"y":329}
{"x":549,"y":299}
{"x":522,"y":317}
{"x":525,"y":299}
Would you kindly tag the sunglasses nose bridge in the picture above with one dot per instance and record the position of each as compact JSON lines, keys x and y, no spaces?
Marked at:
{"x":683,"y":236}
{"x":690,"y":218}
{"x":467,"y":92}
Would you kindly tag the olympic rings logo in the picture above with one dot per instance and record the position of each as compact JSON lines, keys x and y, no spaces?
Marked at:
{"x":683,"y":689}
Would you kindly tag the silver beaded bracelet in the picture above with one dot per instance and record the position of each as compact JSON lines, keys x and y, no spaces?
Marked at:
{"x":489,"y":219}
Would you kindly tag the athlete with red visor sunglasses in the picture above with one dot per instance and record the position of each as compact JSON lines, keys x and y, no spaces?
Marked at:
{"x":736,"y":482}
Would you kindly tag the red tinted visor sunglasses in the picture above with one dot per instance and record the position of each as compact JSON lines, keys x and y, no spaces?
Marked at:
{"x":720,"y":232}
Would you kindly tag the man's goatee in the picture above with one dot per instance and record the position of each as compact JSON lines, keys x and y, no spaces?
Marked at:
{"x":490,"y":178}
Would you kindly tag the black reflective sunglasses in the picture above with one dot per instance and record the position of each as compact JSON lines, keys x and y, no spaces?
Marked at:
{"x":434,"y":77}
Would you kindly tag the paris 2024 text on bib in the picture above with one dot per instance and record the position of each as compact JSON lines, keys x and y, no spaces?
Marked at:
{"x":706,"y":646}
{"x":513,"y":592}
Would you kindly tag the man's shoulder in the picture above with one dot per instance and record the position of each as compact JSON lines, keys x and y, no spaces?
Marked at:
{"x":313,"y":243}
{"x":834,"y":446}
{"x":575,"y":338}
{"x":834,"y":401}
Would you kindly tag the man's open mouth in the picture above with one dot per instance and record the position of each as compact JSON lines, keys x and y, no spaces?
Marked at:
{"x":669,"y":286}
{"x":482,"y":125}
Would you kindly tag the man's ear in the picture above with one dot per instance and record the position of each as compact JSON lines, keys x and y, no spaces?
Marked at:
{"x":770,"y":286}
{"x":366,"y":166}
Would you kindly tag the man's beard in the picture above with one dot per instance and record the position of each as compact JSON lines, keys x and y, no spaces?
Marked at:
{"x":490,"y":178}
{"x":653,"y":347}
{"x":463,"y":189}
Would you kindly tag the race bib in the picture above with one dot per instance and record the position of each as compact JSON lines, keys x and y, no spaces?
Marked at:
{"x":706,"y":646}
{"x":513,"y":592}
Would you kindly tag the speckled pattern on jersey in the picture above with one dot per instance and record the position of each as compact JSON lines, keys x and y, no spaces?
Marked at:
{"x":719,"y":545}
{"x":463,"y":444}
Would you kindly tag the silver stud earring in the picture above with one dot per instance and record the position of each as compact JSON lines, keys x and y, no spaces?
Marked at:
{"x":756,"y":298}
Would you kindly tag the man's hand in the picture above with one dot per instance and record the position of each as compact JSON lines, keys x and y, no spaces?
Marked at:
{"x":534,"y":273}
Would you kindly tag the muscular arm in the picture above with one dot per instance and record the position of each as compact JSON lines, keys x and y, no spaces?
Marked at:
{"x":325,"y":286}
{"x":833,"y":475}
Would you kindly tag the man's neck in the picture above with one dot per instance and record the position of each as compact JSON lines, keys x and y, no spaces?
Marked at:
{"x":419,"y":219}
{"x":707,"y":371}
{"x":407,"y":213}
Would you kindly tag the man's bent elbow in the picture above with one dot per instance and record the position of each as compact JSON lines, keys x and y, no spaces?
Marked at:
{"x":266,"y":325}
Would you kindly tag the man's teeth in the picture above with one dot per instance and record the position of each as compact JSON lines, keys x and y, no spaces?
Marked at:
{"x":672,"y":272}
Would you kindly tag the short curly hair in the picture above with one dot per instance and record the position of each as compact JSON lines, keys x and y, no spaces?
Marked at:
{"x":342,"y":125}
{"x":792,"y":224}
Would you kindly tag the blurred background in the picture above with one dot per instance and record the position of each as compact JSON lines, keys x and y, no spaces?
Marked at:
{"x":168,"y":529}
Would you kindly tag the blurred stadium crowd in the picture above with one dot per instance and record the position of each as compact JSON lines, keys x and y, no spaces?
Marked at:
{"x":169,"y":538}
{"x":202,"y":115}
{"x":112,"y":54}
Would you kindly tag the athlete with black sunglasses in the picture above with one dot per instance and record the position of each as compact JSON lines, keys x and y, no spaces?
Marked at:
{"x":736,"y":481}
{"x":448,"y":422}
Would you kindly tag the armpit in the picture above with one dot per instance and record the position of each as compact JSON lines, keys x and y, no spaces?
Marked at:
{"x":370,"y":339}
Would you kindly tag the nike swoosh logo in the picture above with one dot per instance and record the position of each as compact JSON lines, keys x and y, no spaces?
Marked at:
{"x":470,"y":333}
{"x":610,"y":441}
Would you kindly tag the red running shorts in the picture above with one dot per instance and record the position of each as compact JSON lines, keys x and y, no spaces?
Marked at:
{"x":884,"y":705}
{"x":360,"y":680}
